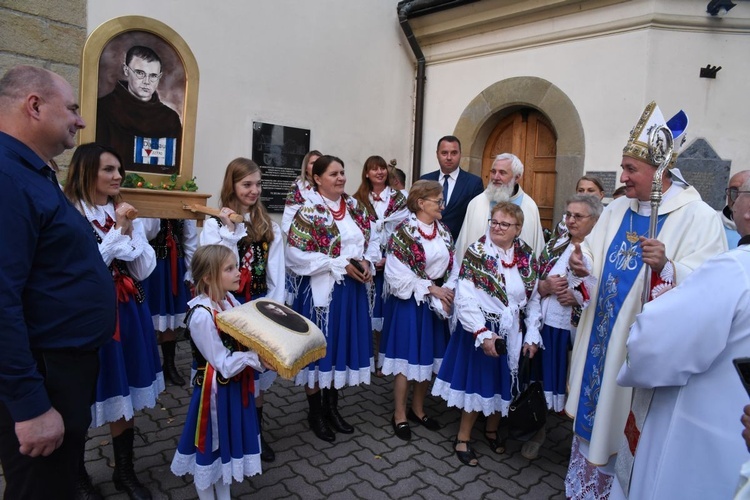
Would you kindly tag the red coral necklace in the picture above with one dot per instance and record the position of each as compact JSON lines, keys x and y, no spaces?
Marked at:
{"x":341,"y":212}
{"x":508,"y":265}
{"x":428,"y":236}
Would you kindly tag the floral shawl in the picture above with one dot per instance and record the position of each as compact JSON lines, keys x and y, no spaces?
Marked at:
{"x":395,"y":203}
{"x":483,"y":270}
{"x":406,"y":245}
{"x":314,"y":230}
{"x":554,"y":248}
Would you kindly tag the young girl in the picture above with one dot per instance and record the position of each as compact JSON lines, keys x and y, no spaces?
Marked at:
{"x":258,"y":247}
{"x":130,"y":376}
{"x":221,"y":438}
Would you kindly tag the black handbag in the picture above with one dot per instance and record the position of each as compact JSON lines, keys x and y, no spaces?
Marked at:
{"x":528,"y":410}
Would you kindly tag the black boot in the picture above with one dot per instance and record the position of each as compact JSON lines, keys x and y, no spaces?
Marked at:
{"x":266,"y":453}
{"x":315,"y":418}
{"x":124,"y":476}
{"x":170,"y":370}
{"x":84,"y":487}
{"x":331,"y":411}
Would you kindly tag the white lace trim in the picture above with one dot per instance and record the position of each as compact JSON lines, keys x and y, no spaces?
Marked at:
{"x":584,"y":480}
{"x":417,"y":373}
{"x":555,"y":402}
{"x":207,"y":475}
{"x":171,"y":322}
{"x":117,"y":407}
{"x":470,"y":402}
{"x":377,"y":324}
{"x":340,"y":378}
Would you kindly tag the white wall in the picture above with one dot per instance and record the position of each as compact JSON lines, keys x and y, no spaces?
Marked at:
{"x":610,"y":78}
{"x":339,"y":68}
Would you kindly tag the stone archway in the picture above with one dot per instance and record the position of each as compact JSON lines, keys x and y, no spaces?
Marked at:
{"x":501,"y":98}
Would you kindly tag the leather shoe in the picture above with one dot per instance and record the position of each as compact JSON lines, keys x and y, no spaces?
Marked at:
{"x":320,"y":427}
{"x":401,"y":429}
{"x":429,"y":423}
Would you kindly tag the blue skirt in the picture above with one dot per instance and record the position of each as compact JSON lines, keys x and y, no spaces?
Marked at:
{"x":348,"y":330}
{"x":238,"y":452}
{"x":553,"y":369}
{"x":471,"y":380}
{"x":130,"y":376}
{"x":168,"y":309}
{"x":377,"y":310}
{"x":413,"y":341}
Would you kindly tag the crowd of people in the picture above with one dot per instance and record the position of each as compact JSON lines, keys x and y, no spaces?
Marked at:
{"x":449,"y":288}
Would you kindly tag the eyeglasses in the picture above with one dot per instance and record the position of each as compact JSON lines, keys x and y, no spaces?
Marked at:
{"x":501,"y":225}
{"x":733,"y":193}
{"x":152,"y":77}
{"x":440,"y":203}
{"x":575,"y":217}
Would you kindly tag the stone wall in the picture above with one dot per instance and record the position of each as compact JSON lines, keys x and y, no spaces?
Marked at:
{"x":46,"y":34}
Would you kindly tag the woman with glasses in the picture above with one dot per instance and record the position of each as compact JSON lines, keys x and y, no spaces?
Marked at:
{"x":586,"y":185}
{"x":420,"y":276}
{"x":332,"y":247}
{"x":563,"y":297}
{"x":388,"y":208}
{"x":496,"y":292}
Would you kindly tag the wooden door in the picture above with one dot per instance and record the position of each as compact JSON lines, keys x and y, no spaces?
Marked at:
{"x":528,"y":135}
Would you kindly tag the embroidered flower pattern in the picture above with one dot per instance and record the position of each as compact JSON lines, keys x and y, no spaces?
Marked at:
{"x":405,"y":244}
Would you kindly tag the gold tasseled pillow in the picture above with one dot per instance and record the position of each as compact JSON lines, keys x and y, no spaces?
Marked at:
{"x":285,"y":339}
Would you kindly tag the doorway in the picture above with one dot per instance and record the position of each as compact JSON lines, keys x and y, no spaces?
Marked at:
{"x":528,"y":134}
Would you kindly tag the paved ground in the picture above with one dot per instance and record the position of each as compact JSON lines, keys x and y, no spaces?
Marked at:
{"x":369,"y":464}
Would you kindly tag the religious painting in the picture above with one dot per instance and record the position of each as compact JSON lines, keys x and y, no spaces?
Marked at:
{"x":139,"y":88}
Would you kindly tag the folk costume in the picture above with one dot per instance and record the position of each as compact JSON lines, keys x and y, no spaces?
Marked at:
{"x":691,"y":445}
{"x":416,"y":329}
{"x":390,"y":209}
{"x":559,"y":322}
{"x":174,"y":241}
{"x":496,"y":292}
{"x":300,"y":191}
{"x":478,"y":212}
{"x":221,"y":438}
{"x":130,"y":376}
{"x":691,"y":233}
{"x":321,"y":241}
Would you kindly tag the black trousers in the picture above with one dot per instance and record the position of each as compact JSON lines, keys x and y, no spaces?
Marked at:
{"x":70,"y":380}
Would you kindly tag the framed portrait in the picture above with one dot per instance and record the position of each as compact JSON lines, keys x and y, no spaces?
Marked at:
{"x":139,"y":95}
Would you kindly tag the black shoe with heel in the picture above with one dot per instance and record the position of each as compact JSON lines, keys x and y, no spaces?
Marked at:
{"x":467,"y":457}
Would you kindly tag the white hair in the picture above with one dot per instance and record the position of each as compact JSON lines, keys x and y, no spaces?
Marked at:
{"x":516,"y":165}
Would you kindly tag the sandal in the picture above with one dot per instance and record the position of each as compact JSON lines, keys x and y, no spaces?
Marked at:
{"x":467,"y":457}
{"x":497,"y":444}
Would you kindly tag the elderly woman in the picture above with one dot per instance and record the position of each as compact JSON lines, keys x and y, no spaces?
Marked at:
{"x":586,"y":185}
{"x":420,"y":276}
{"x":332,"y":247}
{"x":496,"y":289}
{"x":301,"y":189}
{"x":563,"y":297}
{"x":388,"y":207}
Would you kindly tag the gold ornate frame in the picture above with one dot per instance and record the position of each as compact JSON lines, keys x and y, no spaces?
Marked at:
{"x":92,"y":51}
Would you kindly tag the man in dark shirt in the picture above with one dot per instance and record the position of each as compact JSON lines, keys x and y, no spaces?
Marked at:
{"x":56,"y":295}
{"x":459,"y":186}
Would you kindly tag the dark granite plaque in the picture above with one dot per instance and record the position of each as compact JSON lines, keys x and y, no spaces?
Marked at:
{"x":706,"y":171}
{"x":279,"y":151}
{"x":608,"y":180}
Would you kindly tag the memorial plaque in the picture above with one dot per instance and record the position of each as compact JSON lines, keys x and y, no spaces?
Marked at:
{"x":279,"y":151}
{"x":608,"y":180}
{"x":706,"y":171}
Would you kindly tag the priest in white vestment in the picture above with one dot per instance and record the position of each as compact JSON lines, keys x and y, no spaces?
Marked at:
{"x":688,"y":233}
{"x":506,"y":170}
{"x":682,"y":346}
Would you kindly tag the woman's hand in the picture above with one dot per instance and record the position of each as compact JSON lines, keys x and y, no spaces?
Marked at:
{"x":224,"y":214}
{"x":530,"y":349}
{"x":488,"y":346}
{"x":122,"y":222}
{"x":379,"y":265}
{"x":445,"y":295}
{"x":566,"y":298}
{"x":552,"y":285}
{"x":354,"y":273}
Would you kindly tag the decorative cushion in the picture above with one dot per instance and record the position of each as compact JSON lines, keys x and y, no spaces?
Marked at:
{"x":285,"y":339}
